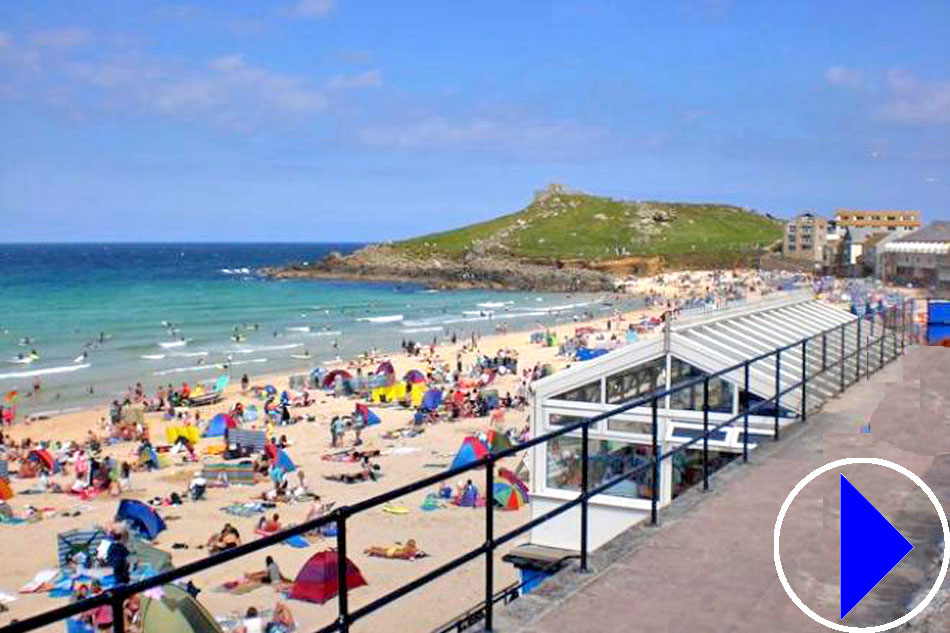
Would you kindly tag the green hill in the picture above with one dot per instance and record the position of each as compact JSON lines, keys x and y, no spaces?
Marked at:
{"x":565,"y":225}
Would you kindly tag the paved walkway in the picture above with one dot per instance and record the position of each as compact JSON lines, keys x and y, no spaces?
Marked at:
{"x":709,"y":566}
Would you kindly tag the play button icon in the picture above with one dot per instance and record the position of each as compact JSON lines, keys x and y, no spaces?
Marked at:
{"x":870,"y":547}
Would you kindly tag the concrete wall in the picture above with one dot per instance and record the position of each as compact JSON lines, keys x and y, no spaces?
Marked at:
{"x":564,"y":531}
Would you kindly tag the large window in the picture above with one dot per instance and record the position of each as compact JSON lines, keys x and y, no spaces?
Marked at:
{"x":767,"y":410}
{"x":688,"y":467}
{"x":637,"y":381}
{"x":560,"y":419}
{"x":607,"y":459}
{"x":642,"y":427}
{"x":691,"y":399}
{"x":586,"y":393}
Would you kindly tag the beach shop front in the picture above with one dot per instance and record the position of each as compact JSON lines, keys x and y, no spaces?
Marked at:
{"x":691,"y":347}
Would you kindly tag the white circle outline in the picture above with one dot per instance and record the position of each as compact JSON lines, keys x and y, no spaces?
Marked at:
{"x":876,"y":462}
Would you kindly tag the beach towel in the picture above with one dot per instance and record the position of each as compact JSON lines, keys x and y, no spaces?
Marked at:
{"x":234,"y":474}
{"x":244,"y":510}
{"x":430,"y":503}
{"x":41,"y":581}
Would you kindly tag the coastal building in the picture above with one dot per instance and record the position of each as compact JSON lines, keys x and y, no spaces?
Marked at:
{"x":872,"y":255}
{"x":805,"y":238}
{"x":899,"y":221}
{"x":920,"y":258}
{"x":854,"y":241}
{"x":691,"y":347}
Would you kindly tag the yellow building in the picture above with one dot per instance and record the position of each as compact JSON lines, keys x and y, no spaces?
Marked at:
{"x":882,"y":220}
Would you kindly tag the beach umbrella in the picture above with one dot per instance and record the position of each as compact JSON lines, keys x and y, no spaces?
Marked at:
{"x":414,"y":376}
{"x":385,"y":367}
{"x":42,"y":457}
{"x":270,"y":389}
{"x":73,"y":542}
{"x":176,"y":611}
{"x":514,"y":480}
{"x":11,"y":396}
{"x":507,"y":496}
{"x":471,"y":450}
{"x":318,"y":580}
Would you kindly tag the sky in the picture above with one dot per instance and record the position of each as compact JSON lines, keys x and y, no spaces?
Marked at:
{"x":369,"y":120}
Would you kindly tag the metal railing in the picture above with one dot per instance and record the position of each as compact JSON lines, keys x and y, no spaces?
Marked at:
{"x":894,"y":325}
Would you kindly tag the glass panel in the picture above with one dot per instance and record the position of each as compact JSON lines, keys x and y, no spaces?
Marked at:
{"x":767,"y":410}
{"x":630,"y":426}
{"x":637,"y":381}
{"x":586,"y":393}
{"x":688,"y":467}
{"x":691,"y":399}
{"x":558,"y":419}
{"x":607,"y":459}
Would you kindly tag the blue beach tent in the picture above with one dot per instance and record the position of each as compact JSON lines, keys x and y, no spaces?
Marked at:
{"x":432,"y":399}
{"x":284,"y":462}
{"x":472,"y":450}
{"x":140,"y":517}
{"x":217,"y":426}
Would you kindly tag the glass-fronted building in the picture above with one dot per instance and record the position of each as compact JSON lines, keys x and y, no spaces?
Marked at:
{"x":691,"y":347}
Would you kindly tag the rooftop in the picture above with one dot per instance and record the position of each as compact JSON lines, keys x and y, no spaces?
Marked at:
{"x":933,"y":232}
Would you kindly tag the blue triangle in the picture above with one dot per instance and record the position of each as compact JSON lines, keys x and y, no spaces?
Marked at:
{"x":870,"y":547}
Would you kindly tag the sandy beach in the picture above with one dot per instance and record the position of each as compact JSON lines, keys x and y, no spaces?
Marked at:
{"x":443,"y":534}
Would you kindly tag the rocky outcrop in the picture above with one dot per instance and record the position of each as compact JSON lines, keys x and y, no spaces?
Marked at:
{"x":385,"y":263}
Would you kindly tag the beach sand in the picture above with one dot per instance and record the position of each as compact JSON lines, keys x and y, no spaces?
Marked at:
{"x":444,"y":534}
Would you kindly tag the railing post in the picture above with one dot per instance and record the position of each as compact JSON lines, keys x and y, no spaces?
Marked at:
{"x":857,"y":356}
{"x":490,"y":541}
{"x":654,"y":498}
{"x":894,"y":330}
{"x":343,"y":616}
{"x":778,"y":389}
{"x":706,"y":434}
{"x":824,"y":351}
{"x":842,"y":356}
{"x":118,"y":613}
{"x":804,"y":378}
{"x":745,"y":416}
{"x":881,"y":365}
{"x":903,"y":323}
{"x":584,"y":487}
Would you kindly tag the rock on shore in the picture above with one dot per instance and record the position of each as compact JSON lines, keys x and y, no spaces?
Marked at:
{"x":384,"y":263}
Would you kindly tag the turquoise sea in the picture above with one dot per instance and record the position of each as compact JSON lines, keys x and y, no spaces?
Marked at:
{"x":104,"y":316}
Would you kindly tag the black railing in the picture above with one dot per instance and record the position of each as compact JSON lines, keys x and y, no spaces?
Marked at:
{"x":117,"y":596}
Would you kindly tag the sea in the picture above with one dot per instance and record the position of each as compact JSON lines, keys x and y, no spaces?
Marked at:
{"x":101,"y":317}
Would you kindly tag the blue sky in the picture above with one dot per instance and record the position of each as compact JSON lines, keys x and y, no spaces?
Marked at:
{"x":321,"y":120}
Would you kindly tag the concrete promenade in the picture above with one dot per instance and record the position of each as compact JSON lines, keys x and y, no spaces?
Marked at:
{"x":709,"y":566}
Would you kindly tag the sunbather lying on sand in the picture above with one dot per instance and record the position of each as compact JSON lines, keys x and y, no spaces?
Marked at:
{"x":409,"y":551}
{"x":368,"y":472}
{"x":227,"y":538}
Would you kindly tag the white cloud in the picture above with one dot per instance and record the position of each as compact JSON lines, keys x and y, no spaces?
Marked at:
{"x":65,"y":37}
{"x":314,"y":8}
{"x":847,"y":77}
{"x":477,"y":132}
{"x":913,"y":100}
{"x":368,"y":79}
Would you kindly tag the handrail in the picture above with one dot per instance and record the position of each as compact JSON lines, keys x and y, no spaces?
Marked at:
{"x":116,"y":597}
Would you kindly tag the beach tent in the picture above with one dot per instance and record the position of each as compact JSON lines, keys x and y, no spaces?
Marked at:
{"x":175,"y":612}
{"x":241,"y":474}
{"x":246,"y":439}
{"x":330,"y":379}
{"x":414,"y":376}
{"x":470,"y":451}
{"x":507,"y":496}
{"x":219,"y":424}
{"x":280,"y":458}
{"x":368,"y":415}
{"x":6,"y":492}
{"x":432,"y":399}
{"x":386,"y":367}
{"x":190,"y":433}
{"x":73,"y":542}
{"x":42,"y":457}
{"x":318,"y":580}
{"x":142,"y":518}
{"x":498,"y":441}
{"x":142,"y":553}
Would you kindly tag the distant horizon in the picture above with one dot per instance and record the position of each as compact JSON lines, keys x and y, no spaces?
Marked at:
{"x":128,"y":122}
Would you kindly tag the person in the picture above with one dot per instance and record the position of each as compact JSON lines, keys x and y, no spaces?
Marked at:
{"x":102,"y":615}
{"x":303,"y":489}
{"x":271,"y":574}
{"x":252,"y":622}
{"x":227,"y":538}
{"x":409,"y":551}
{"x":337,"y":429}
{"x":118,"y":555}
{"x":283,"y":620}
{"x":272,"y":525}
{"x":245,"y":382}
{"x":197,"y":487}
